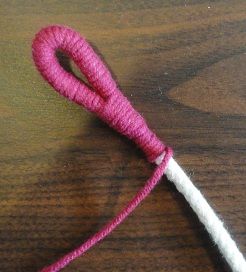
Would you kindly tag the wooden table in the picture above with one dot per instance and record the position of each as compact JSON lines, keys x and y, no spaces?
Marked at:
{"x":64,"y":173}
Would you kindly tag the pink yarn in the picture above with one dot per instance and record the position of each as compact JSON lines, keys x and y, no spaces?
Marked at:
{"x":106,"y":100}
{"x":108,"y":228}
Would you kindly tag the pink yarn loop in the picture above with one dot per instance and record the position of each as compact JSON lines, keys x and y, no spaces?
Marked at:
{"x":107,"y":102}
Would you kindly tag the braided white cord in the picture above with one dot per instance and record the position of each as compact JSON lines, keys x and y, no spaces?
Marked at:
{"x":207,"y":216}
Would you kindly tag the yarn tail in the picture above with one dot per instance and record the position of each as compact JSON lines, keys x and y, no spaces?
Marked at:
{"x":108,"y":228}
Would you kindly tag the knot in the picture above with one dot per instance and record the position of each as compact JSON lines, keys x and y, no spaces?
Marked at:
{"x":104,"y":99}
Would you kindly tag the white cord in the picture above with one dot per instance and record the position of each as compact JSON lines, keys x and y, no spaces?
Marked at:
{"x":207,"y":216}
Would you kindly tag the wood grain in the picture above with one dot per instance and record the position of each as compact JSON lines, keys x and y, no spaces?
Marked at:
{"x":64,"y":173}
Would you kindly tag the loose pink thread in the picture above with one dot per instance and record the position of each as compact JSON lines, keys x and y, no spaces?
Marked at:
{"x":107,"y":101}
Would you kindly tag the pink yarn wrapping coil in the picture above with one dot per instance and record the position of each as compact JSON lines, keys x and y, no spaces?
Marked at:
{"x":106,"y":100}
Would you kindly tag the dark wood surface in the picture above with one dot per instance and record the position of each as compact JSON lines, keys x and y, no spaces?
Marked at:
{"x":63,"y":173}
